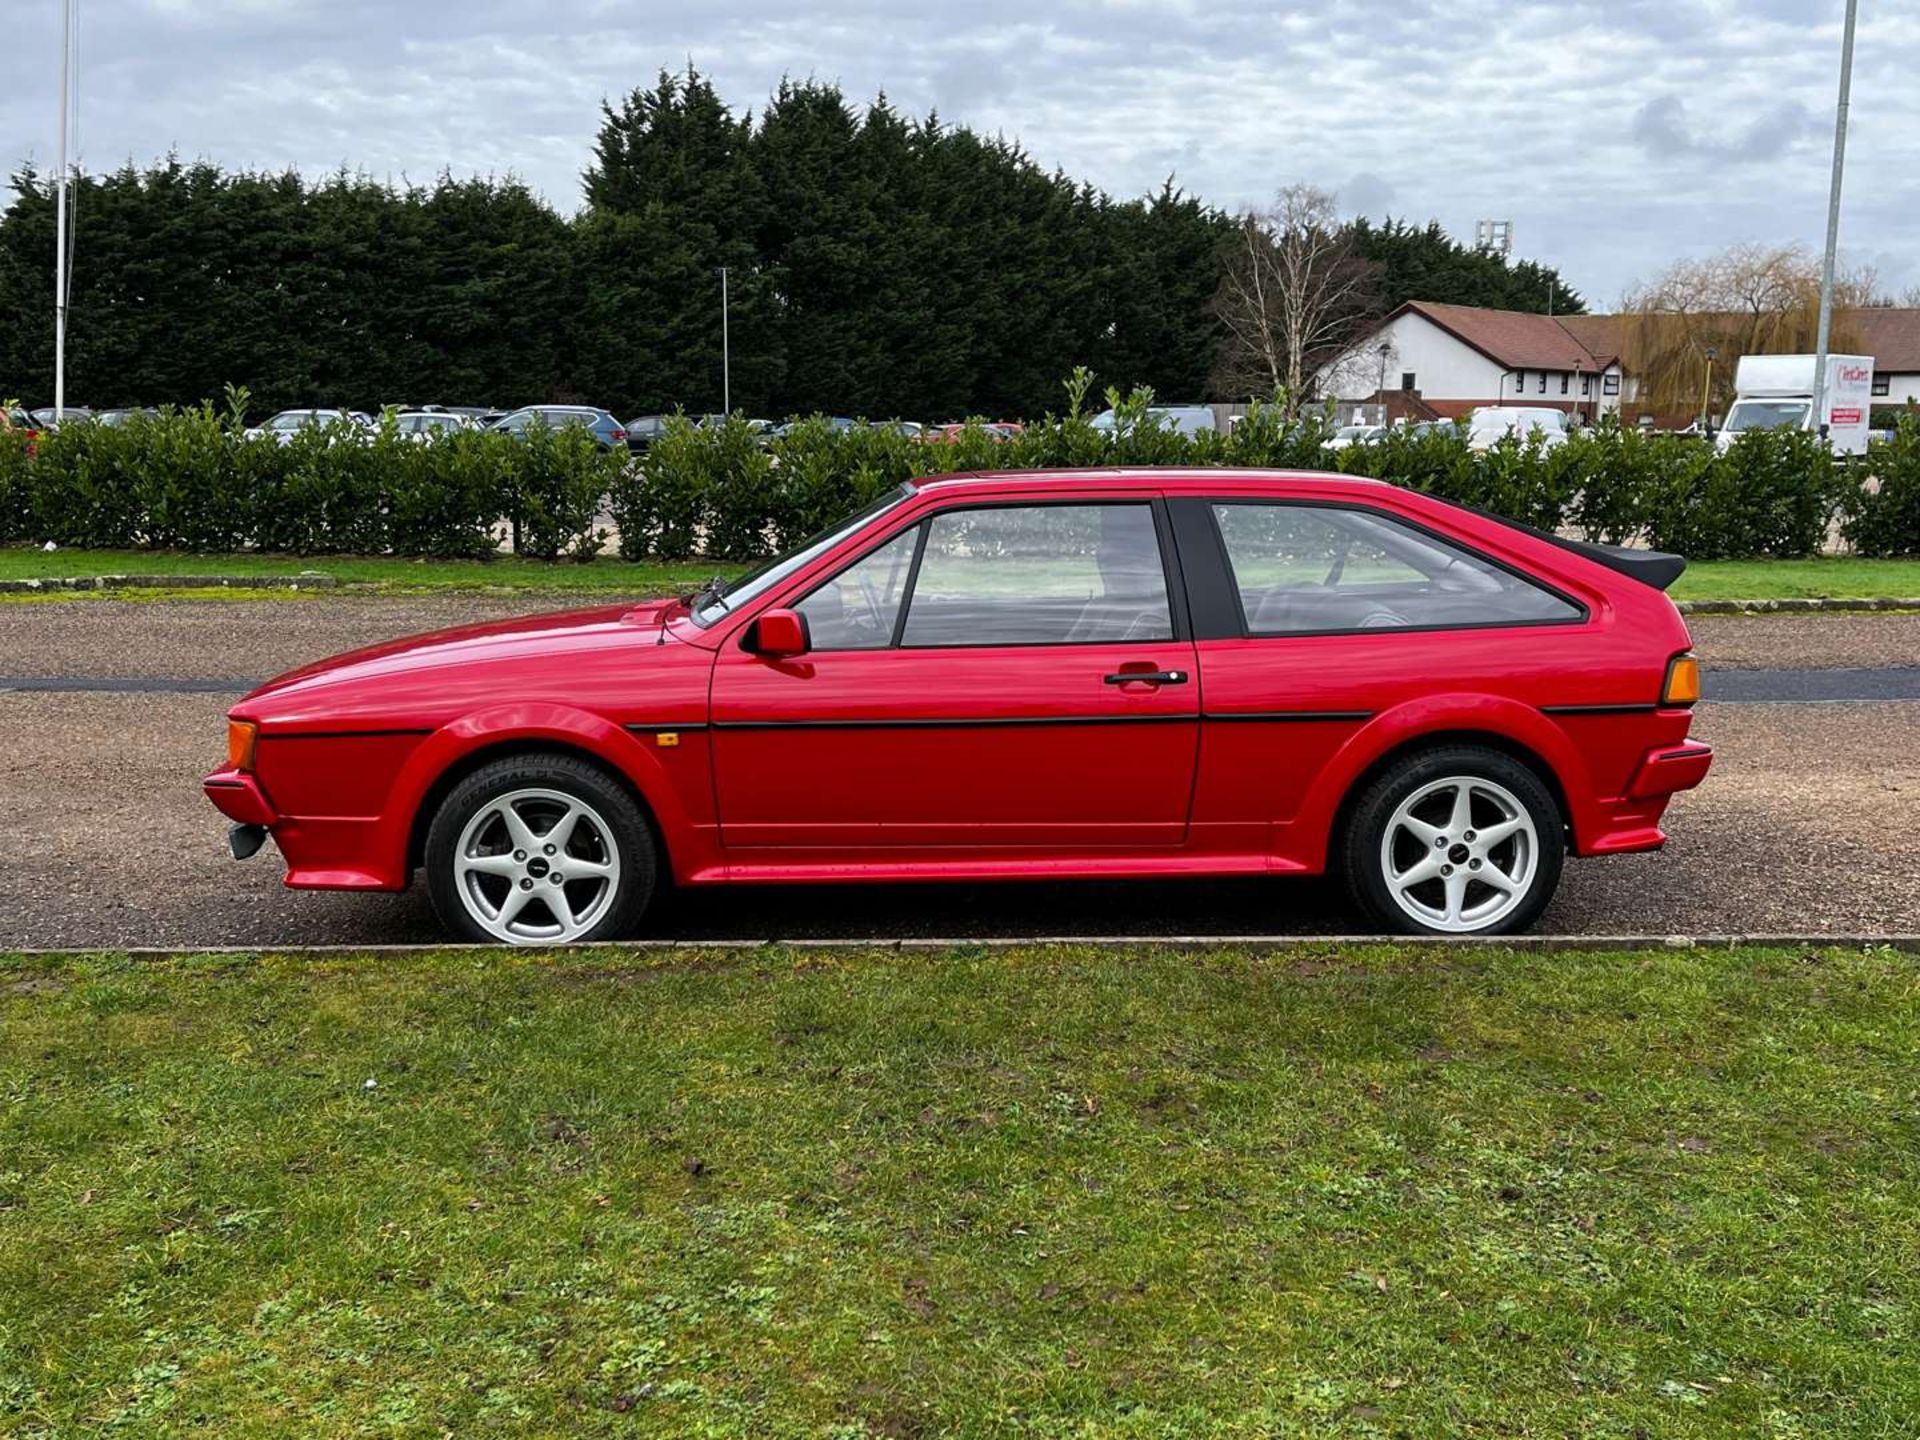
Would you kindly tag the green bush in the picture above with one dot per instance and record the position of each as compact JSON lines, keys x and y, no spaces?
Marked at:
{"x":1770,"y":493}
{"x":1884,"y":514}
{"x":191,"y":480}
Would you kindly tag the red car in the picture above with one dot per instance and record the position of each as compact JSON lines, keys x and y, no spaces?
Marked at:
{"x":1037,"y":675}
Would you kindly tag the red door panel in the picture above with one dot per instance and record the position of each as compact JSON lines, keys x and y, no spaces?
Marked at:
{"x":1005,"y":746}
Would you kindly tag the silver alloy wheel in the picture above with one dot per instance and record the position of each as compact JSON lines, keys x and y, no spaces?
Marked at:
{"x":1460,"y":854}
{"x":537,"y":867}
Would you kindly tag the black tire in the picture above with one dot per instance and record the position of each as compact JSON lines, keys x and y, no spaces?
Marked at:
{"x":1362,"y":842}
{"x":580,"y":781}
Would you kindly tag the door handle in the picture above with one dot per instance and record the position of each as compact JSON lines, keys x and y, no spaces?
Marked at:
{"x":1148,"y":677}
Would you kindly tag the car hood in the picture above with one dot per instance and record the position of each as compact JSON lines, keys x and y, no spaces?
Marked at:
{"x":531,"y":636}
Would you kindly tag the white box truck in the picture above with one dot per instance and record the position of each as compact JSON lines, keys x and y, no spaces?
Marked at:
{"x":1775,"y":391}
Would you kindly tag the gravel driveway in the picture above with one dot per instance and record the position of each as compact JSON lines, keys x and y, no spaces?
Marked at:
{"x":1810,"y":821}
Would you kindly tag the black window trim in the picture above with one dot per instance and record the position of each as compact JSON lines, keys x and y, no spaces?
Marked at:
{"x":1220,"y":560}
{"x":1170,"y":573}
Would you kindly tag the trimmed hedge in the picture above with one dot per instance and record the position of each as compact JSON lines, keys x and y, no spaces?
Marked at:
{"x":190,"y":480}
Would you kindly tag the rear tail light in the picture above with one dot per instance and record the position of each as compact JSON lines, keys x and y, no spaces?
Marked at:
{"x":619,"y":434}
{"x":240,"y":737}
{"x":1682,"y":685}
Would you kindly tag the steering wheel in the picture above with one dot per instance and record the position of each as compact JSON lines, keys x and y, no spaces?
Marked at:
{"x":1339,"y":563}
{"x":876,"y":612}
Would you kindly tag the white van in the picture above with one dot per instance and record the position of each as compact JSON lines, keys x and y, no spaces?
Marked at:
{"x":1772,"y":392}
{"x":1493,"y":423}
{"x":1186,"y":419}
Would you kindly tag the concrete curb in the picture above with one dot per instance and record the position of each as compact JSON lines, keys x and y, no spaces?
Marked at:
{"x":1795,"y":607}
{"x":169,"y":582}
{"x":1908,"y":943}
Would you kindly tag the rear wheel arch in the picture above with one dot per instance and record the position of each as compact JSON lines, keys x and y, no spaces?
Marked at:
{"x":1442,"y":740}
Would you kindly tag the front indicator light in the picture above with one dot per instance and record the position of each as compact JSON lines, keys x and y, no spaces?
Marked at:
{"x":240,"y":737}
{"x":1683,"y":681}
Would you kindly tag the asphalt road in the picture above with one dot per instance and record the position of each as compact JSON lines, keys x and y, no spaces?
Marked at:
{"x":1810,"y":821}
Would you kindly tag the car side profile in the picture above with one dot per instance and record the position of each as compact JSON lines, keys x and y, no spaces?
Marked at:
{"x":1097,"y":673}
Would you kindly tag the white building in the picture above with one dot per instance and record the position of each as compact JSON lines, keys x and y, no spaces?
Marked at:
{"x":1892,"y":336}
{"x":1430,"y":361}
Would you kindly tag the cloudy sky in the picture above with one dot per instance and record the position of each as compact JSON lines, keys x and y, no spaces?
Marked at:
{"x":1615,"y":136}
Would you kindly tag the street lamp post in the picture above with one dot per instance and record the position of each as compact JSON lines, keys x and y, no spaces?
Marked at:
{"x":1381,"y":392}
{"x":60,"y":268}
{"x":1833,"y":221}
{"x":1706,"y":390}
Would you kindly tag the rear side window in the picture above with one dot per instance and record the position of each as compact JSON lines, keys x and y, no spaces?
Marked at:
{"x":1316,"y":570}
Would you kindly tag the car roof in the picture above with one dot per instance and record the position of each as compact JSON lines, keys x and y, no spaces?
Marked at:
{"x":1146,"y":479}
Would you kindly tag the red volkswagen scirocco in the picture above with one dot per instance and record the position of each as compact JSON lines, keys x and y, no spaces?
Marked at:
{"x":1036,"y":675}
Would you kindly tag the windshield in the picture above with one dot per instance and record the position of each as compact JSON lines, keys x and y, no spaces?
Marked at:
{"x":1767,"y":414}
{"x":758,"y":581}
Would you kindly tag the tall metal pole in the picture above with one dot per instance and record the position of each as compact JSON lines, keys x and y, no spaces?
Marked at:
{"x":726,"y":351}
{"x":60,"y":222}
{"x":1833,"y":223}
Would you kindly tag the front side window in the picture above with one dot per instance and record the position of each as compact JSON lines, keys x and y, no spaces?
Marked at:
{"x":1040,"y":575}
{"x":1304,"y":569}
{"x":858,"y":608}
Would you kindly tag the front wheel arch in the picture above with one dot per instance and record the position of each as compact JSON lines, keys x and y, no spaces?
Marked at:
{"x":449,"y":779}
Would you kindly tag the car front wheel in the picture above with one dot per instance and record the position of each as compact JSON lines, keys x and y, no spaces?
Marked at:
{"x":539,"y":850}
{"x":1455,"y":841}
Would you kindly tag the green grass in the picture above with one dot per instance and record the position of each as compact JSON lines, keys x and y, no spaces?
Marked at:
{"x":1040,"y":1193}
{"x":609,"y":574}
{"x":1842,"y":577}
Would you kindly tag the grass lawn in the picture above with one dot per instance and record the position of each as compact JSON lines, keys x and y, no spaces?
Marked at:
{"x":610,"y":574}
{"x":1832,"y":577}
{"x":1841,"y":577}
{"x":1040,"y":1193}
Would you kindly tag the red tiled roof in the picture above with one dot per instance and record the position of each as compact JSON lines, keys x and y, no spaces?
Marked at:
{"x":1518,"y":339}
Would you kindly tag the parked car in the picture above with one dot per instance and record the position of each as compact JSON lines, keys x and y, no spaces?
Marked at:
{"x":1493,"y":423}
{"x":952,"y":431}
{"x":283,"y":427}
{"x":1421,"y":429}
{"x":1353,"y":435}
{"x":125,"y":414}
{"x":837,"y":423}
{"x":426,"y":424}
{"x":1186,"y":419}
{"x":1152,"y":673}
{"x":47,"y":418}
{"x":606,"y":430}
{"x":13,"y":418}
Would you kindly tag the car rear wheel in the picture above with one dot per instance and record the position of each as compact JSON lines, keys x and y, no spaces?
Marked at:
{"x":539,"y":850}
{"x":1455,"y":841}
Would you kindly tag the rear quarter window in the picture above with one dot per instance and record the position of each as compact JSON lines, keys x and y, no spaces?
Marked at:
{"x":1314,"y":570}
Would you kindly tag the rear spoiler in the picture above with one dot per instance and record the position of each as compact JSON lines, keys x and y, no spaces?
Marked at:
{"x":1650,"y":567}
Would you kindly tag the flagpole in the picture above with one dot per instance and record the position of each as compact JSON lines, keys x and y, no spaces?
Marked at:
{"x":60,"y":221}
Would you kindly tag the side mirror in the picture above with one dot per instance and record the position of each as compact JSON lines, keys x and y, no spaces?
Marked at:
{"x":779,"y":634}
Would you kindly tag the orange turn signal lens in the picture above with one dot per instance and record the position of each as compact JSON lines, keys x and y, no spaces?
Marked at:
{"x":240,"y":737}
{"x":1683,"y":681}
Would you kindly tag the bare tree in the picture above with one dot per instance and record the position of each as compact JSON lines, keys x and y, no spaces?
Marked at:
{"x":1292,"y":291}
{"x":1746,"y":300}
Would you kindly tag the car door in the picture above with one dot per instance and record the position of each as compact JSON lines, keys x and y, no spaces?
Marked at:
{"x":1004,"y":675}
